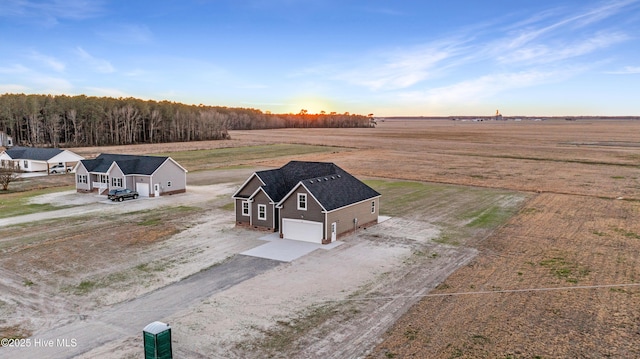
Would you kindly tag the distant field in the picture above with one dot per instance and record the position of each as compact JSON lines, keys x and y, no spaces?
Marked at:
{"x":196,"y":160}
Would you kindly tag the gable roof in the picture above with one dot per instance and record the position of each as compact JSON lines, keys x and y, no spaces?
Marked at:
{"x":128,"y":164}
{"x":332,"y":186}
{"x":32,"y":153}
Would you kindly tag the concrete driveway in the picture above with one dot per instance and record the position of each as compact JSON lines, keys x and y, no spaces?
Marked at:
{"x":285,"y":250}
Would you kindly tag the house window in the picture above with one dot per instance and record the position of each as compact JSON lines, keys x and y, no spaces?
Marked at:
{"x":26,"y":164}
{"x":245,"y":208}
{"x":104,"y":179}
{"x":262,"y":211}
{"x":168,"y":183}
{"x":373,"y":207}
{"x":116,"y":182}
{"x":302,"y":201}
{"x":82,"y":178}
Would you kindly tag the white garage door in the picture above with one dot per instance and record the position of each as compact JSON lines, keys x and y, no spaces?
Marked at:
{"x":302,"y":230}
{"x":143,"y":189}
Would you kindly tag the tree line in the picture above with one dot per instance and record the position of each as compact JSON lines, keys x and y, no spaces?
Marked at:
{"x":72,"y":121}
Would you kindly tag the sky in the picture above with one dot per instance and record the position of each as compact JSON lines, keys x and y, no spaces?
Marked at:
{"x":389,"y":58}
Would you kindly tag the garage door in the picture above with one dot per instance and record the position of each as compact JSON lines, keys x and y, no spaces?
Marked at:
{"x":143,"y":189}
{"x":302,"y":230}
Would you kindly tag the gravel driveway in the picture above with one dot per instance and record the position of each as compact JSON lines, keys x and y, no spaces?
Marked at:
{"x":128,"y":318}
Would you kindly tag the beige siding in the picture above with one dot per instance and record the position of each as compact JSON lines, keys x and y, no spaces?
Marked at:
{"x":83,"y":186}
{"x":170,"y":177}
{"x":134,"y":180}
{"x":117,"y":173}
{"x":344,"y":217}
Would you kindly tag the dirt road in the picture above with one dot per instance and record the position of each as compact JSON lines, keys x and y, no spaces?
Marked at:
{"x":128,"y":318}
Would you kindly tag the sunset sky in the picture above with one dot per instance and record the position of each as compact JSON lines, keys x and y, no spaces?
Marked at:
{"x":430,"y":58}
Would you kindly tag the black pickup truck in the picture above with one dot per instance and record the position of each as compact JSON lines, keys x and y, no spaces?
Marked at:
{"x":121,"y":194}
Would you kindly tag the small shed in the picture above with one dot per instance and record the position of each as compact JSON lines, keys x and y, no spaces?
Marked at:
{"x":157,"y":341}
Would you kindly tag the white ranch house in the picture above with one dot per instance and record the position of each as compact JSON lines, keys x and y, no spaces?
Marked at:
{"x":151,"y":176}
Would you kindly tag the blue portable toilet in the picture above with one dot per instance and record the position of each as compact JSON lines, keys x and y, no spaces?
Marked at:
{"x":157,"y":341}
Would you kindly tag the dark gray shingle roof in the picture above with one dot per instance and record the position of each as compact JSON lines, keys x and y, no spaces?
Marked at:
{"x":33,"y":153}
{"x":129,"y":164}
{"x":339,"y":190}
{"x":331,"y":185}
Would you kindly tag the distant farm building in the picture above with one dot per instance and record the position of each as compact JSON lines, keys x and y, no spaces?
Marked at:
{"x":5,"y":140}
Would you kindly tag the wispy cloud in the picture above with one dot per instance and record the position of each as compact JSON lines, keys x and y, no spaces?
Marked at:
{"x":400,"y":69}
{"x":251,"y":86}
{"x":559,"y":50}
{"x":13,"y":88}
{"x":107,"y":92}
{"x":99,"y":65}
{"x":488,"y":85}
{"x":51,"y":84}
{"x":127,"y":34}
{"x":14,"y":69}
{"x":33,"y":80}
{"x":50,"y":12}
{"x":48,"y":61}
{"x":551,"y":46}
{"x":627,"y":70}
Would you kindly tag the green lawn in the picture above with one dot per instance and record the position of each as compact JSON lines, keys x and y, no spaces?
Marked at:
{"x":461,"y":212}
{"x":17,"y":203}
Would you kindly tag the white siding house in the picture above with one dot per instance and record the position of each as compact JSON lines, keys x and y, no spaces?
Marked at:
{"x":31,"y":159}
{"x":151,"y":176}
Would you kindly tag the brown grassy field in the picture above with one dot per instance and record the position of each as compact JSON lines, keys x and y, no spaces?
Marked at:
{"x":578,"y":232}
{"x":549,"y":283}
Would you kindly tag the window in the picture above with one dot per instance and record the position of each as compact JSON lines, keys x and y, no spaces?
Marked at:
{"x":302,"y":201}
{"x":245,"y":208}
{"x":104,"y":179}
{"x":82,"y":178}
{"x":262,"y":211}
{"x":26,"y":164}
{"x":373,"y":207}
{"x":168,"y":183}
{"x":116,"y":182}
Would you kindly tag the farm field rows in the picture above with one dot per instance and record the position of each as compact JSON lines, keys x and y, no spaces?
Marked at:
{"x":580,"y":229}
{"x":508,"y":208}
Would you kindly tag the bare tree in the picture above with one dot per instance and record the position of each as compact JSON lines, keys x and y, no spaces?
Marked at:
{"x":7,"y":175}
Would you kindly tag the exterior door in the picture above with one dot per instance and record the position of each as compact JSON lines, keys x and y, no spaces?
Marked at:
{"x":333,"y":232}
{"x":156,"y":190}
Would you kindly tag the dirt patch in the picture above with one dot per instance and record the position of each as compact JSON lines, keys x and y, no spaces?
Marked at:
{"x":571,"y":252}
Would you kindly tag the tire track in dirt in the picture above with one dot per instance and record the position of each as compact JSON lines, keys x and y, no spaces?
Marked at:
{"x":355,"y":338}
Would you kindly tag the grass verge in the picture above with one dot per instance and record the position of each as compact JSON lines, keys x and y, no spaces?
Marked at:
{"x":17,"y":203}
